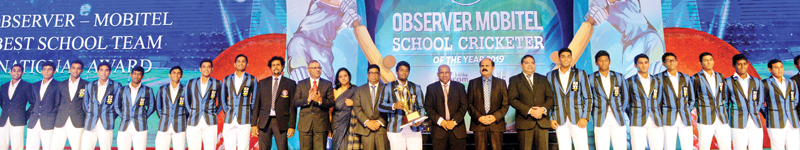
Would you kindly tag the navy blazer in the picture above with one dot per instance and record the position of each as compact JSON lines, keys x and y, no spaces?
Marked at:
{"x":43,"y":109}
{"x":102,"y":110}
{"x":71,"y":105}
{"x":14,"y":108}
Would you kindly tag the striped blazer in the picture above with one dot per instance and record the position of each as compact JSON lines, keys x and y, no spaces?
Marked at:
{"x":396,"y":116}
{"x":676,"y":104}
{"x":100,"y":108}
{"x":644,"y":102}
{"x":200,"y":104}
{"x":136,"y":110}
{"x":780,"y":106}
{"x":576,"y":103}
{"x":740,"y":107}
{"x":238,"y":104}
{"x":710,"y":106}
{"x":44,"y":109}
{"x":171,"y":110}
{"x":617,"y":101}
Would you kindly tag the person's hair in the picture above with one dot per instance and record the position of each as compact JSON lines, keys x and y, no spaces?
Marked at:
{"x":738,"y":57}
{"x":402,"y":63}
{"x":705,"y":54}
{"x":601,"y":53}
{"x":636,"y":59}
{"x":796,"y":58}
{"x":277,"y":58}
{"x":564,"y":50}
{"x":373,"y":66}
{"x":175,"y":67}
{"x":526,"y":56}
{"x":138,"y":68}
{"x":209,"y":61}
{"x":49,"y":63}
{"x":773,"y":61}
{"x":490,"y":60}
{"x":77,"y":61}
{"x":314,"y":61}
{"x":108,"y":65}
{"x":339,"y":84}
{"x":20,"y":67}
{"x":664,"y":57}
{"x":240,"y":55}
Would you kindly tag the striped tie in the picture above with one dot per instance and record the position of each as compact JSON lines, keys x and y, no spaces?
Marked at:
{"x":486,"y":94}
{"x":274,"y":92}
{"x":372,"y":95}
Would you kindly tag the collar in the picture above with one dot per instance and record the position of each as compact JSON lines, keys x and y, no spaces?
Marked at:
{"x":737,"y":77}
{"x":45,"y":83}
{"x":76,"y":81}
{"x":485,"y":78}
{"x":131,"y":86}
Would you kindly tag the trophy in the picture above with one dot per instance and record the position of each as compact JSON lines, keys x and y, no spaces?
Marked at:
{"x":411,"y":117}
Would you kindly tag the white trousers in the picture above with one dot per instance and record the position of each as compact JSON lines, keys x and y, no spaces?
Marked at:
{"x":684,"y":132}
{"x":569,"y":133}
{"x":97,"y":136}
{"x":36,"y":136}
{"x":12,"y":134}
{"x":406,"y":139}
{"x":717,"y":129}
{"x":610,"y":134}
{"x":786,"y":138}
{"x":236,"y":136}
{"x":163,"y":139}
{"x":60,"y":136}
{"x":751,"y":135}
{"x":202,"y":136}
{"x":131,"y":137}
{"x":649,"y":133}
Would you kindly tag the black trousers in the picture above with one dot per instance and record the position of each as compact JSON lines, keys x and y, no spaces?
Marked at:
{"x":449,"y":142}
{"x":265,"y":136}
{"x":482,"y":138}
{"x":536,"y":136}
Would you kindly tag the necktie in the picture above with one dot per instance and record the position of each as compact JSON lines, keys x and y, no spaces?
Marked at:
{"x":372,"y":95}
{"x":530,"y":81}
{"x":274,"y":92}
{"x":314,"y":86}
{"x":446,"y":105}
{"x":486,"y":94}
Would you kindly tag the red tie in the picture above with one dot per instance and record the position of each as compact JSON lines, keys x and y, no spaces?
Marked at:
{"x":314,"y":86}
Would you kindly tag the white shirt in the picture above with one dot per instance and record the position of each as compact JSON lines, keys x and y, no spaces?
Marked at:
{"x":372,"y":99}
{"x":312,"y":82}
{"x":712,"y":82}
{"x":564,"y":78}
{"x":445,"y":89}
{"x":781,"y":84}
{"x":12,"y":87}
{"x":134,"y":92}
{"x":645,"y":83}
{"x":237,"y":81}
{"x":173,"y":92}
{"x":529,"y":77}
{"x":744,"y":83}
{"x":676,"y":80}
{"x":606,"y":81}
{"x":73,"y":87}
{"x":101,"y":90}
{"x":43,"y":89}
{"x":204,"y":86}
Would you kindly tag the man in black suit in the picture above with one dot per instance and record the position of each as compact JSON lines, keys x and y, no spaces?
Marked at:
{"x":43,"y":109}
{"x":365,"y":107}
{"x":796,"y":78}
{"x":488,"y":104}
{"x":530,"y":94}
{"x":71,"y":116}
{"x":273,"y":113}
{"x":446,"y":104}
{"x":314,"y":96}
{"x":14,"y":96}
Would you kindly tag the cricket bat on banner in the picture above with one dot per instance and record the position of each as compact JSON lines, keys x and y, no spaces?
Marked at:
{"x":373,"y":55}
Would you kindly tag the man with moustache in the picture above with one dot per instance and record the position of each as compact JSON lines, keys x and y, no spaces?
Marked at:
{"x":314,"y":96}
{"x":530,"y":94}
{"x":488,"y":103}
{"x":365,"y":107}
{"x":446,"y":104}
{"x":273,"y":114}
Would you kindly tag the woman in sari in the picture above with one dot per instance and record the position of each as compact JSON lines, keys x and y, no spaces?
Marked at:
{"x":343,"y":120}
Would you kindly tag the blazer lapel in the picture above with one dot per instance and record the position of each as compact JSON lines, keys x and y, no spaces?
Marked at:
{"x":598,"y":80}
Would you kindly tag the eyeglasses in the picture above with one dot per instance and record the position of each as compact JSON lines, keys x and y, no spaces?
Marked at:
{"x":314,"y":67}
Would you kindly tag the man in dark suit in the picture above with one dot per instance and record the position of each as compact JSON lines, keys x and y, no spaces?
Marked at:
{"x":488,"y":104}
{"x":796,"y":78}
{"x":273,"y":113}
{"x":13,"y":98}
{"x":43,"y":109}
{"x":365,"y":107}
{"x":446,"y":104}
{"x":314,"y":96}
{"x":530,"y":94}
{"x":71,"y":116}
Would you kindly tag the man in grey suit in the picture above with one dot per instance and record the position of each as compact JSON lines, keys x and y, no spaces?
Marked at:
{"x":314,"y":96}
{"x":365,"y":106}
